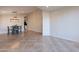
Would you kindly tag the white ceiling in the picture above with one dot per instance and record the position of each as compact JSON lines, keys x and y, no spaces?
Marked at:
{"x":50,"y":8}
{"x":26,"y":9}
{"x":18,"y":9}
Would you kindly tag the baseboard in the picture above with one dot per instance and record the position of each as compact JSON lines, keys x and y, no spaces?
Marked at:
{"x":46,"y":34}
{"x":65,"y":38}
{"x":34,"y":31}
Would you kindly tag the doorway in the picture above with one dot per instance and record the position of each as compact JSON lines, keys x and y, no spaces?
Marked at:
{"x":25,"y":23}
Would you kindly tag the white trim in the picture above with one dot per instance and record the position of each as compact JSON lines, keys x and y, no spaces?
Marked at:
{"x":65,"y":38}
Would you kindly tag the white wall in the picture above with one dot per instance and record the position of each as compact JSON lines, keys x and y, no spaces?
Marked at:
{"x":5,"y":21}
{"x":39,"y":21}
{"x":35,"y":21}
{"x":46,"y":23}
{"x":65,"y":23}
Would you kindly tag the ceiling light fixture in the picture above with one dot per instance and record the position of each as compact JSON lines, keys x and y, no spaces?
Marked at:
{"x":15,"y":16}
